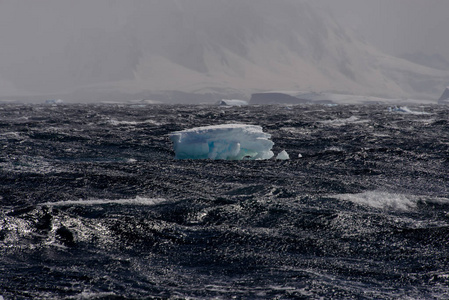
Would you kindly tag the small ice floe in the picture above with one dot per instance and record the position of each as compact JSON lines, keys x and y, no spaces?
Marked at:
{"x":54,"y":101}
{"x":233,"y":102}
{"x":283,"y":155}
{"x":406,"y":110}
{"x":227,"y":141}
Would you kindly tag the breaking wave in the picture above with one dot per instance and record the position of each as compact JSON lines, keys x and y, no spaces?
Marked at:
{"x":135,"y":201}
{"x":391,"y":201}
{"x":343,"y":122}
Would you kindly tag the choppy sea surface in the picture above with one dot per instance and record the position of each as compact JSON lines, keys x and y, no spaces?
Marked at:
{"x":93,"y":204}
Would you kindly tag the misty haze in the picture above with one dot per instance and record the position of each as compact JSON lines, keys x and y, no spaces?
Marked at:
{"x":166,"y":50}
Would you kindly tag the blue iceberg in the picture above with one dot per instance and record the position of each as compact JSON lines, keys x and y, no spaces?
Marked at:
{"x":226,"y":142}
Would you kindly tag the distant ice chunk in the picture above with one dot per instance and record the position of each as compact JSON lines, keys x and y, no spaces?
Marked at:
{"x":227,"y":141}
{"x":402,"y":109}
{"x":54,"y":101}
{"x":233,"y":102}
{"x":283,"y":155}
{"x":406,"y":110}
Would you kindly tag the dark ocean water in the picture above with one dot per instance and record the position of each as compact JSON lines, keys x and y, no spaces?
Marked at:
{"x":93,"y":205}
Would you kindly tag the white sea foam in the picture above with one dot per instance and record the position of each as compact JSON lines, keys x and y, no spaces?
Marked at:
{"x":425,"y":121}
{"x":342,"y":122}
{"x":390,"y":201}
{"x":135,"y":201}
{"x":132,"y":123}
{"x":95,"y":295}
{"x":10,"y":135}
{"x":334,"y":149}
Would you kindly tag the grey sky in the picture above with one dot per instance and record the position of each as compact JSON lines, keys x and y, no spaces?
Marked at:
{"x":46,"y":44}
{"x":395,"y":26}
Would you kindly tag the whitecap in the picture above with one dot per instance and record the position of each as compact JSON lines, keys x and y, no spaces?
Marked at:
{"x":95,"y":295}
{"x":334,"y":149}
{"x":133,"y":201}
{"x":342,"y":122}
{"x":390,"y":201}
{"x":115,"y":122}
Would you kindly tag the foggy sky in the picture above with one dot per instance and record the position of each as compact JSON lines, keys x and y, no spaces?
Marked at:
{"x":35,"y":34}
{"x":396,"y":26}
